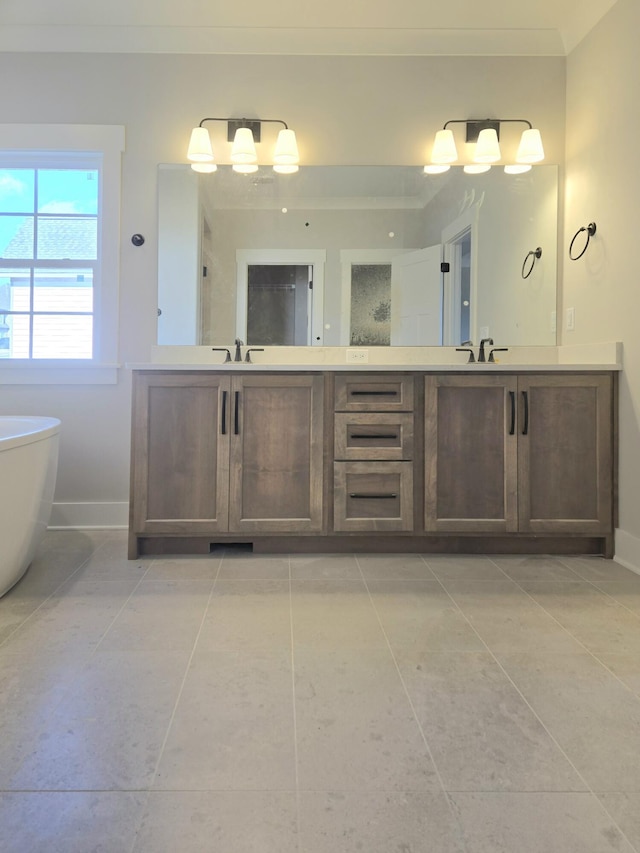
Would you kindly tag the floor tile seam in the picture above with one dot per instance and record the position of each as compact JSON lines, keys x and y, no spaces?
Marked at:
{"x":171,"y":719}
{"x":454,"y":816}
{"x":541,"y":556}
{"x":593,"y":584}
{"x":579,"y":775}
{"x":51,"y":594}
{"x":588,"y":651}
{"x":293,"y":709}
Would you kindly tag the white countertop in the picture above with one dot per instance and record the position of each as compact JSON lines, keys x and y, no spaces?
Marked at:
{"x":585,"y":357}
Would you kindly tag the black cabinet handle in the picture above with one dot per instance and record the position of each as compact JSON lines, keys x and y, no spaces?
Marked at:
{"x":223,"y":419}
{"x":512,"y":397}
{"x":374,"y":393}
{"x":236,"y":414}
{"x":359,"y":496}
{"x":525,"y":398}
{"x":375,"y":435}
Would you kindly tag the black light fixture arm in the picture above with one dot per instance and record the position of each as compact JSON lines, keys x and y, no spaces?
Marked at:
{"x":475,"y":125}
{"x":253,"y":124}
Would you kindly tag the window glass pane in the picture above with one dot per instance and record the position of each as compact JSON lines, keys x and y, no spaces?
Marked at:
{"x":72,"y":238}
{"x":15,"y":293}
{"x":16,"y":190}
{"x":16,"y":237}
{"x":68,"y":191}
{"x":370,"y":304}
{"x":62,"y":336}
{"x":14,"y":336}
{"x":63,"y":290}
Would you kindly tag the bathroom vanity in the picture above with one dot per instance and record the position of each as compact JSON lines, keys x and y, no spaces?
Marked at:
{"x":449,"y":458}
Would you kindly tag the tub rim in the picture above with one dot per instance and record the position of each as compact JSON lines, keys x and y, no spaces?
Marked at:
{"x":27,"y":429}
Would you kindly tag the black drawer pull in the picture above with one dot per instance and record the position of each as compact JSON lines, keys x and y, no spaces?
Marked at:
{"x":359,"y":496}
{"x":374,"y":393}
{"x":375,"y":435}
{"x":224,"y":413}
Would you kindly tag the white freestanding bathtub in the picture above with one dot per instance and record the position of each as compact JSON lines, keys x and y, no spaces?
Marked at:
{"x":28,"y":468}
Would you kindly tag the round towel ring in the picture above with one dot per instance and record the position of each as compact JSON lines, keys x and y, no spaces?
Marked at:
{"x":534,"y":255}
{"x":591,"y":230}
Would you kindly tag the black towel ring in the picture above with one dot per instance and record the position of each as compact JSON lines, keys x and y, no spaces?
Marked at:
{"x":534,"y":256}
{"x":591,"y":230}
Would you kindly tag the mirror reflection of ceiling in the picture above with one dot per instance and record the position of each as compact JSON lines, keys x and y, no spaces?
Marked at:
{"x":406,"y":27}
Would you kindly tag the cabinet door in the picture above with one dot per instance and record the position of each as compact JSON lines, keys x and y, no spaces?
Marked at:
{"x":180,"y":453}
{"x":565,"y":453}
{"x":277,"y":458}
{"x":470,"y":453}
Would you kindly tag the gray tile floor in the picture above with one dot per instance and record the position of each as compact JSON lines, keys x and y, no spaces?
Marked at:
{"x":318,"y":704}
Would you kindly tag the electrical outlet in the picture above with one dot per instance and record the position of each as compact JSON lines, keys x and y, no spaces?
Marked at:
{"x":357,"y":356}
{"x":484,"y":332}
{"x":571,"y":319}
{"x":553,"y":323}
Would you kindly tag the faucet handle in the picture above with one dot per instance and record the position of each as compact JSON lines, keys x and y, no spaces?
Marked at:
{"x":472,"y":357}
{"x":497,"y":349}
{"x":247,"y":357}
{"x":222,"y":349}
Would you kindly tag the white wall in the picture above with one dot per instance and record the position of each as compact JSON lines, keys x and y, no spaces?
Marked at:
{"x":603,"y":128}
{"x":345,"y":110}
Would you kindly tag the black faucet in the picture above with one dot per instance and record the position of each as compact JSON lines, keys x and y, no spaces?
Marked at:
{"x":481,"y":354}
{"x":238,"y":355}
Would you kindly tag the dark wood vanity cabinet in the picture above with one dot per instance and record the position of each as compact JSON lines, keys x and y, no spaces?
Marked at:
{"x":398,"y":460}
{"x":220,"y":454}
{"x":528,"y":453}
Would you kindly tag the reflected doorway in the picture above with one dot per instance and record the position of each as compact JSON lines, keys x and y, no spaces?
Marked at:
{"x":280,"y":297}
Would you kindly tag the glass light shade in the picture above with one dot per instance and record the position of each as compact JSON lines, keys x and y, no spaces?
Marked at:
{"x":245,"y":168}
{"x":476,"y":168}
{"x":286,"y":153}
{"x":487,"y":146}
{"x":444,"y":148}
{"x":436,"y":168}
{"x":285,"y":169}
{"x":530,"y":149}
{"x":243,"y":150}
{"x":200,"y":150}
{"x":517,"y":168}
{"x":205,"y":168}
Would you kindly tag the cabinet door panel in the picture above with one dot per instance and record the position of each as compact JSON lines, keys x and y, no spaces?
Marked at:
{"x":181,"y":461}
{"x":277,"y":454}
{"x":565,"y":457}
{"x":470,"y":454}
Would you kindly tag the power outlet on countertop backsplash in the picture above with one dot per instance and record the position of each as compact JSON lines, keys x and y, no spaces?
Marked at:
{"x":357,"y":356}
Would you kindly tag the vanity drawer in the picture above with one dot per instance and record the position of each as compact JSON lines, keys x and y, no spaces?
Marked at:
{"x":373,"y":496}
{"x":375,"y":435}
{"x":388,"y":392}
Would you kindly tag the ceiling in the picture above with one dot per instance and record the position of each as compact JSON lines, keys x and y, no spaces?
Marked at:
{"x":304,"y":27}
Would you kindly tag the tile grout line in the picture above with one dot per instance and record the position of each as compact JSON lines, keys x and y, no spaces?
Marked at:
{"x":175,"y":706}
{"x":413,"y":710}
{"x":294,"y":713}
{"x":537,"y":717}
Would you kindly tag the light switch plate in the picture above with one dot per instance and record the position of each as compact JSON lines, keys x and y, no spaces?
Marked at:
{"x":571,"y":319}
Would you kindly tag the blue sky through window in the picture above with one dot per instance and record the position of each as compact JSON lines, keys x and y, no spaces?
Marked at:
{"x":60,"y":191}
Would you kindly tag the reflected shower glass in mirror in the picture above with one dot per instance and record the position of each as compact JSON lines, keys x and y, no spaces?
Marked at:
{"x":356,"y":256}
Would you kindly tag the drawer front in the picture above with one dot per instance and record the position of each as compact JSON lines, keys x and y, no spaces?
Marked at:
{"x":370,"y":496}
{"x":373,"y":436}
{"x":377,"y":393}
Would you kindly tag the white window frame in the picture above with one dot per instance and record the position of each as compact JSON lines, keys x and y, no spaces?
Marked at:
{"x":108,"y":141}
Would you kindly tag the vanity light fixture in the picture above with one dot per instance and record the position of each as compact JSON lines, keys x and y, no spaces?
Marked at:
{"x":485,"y":133}
{"x":243,"y":133}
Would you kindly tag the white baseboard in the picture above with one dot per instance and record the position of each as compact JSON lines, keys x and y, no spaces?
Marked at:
{"x":627,"y":551}
{"x":113,"y":514}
